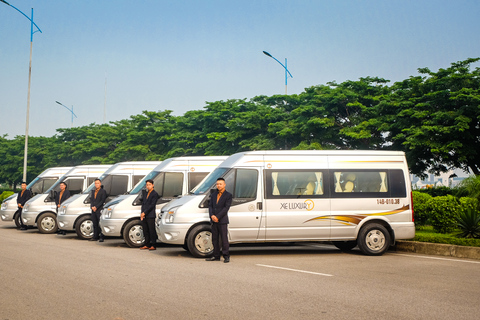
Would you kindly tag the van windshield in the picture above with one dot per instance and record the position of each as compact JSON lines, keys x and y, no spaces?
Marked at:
{"x":209,"y":181}
{"x":141,"y":184}
{"x":40,"y":185}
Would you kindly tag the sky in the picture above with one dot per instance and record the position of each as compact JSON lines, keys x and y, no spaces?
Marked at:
{"x":178,"y":54}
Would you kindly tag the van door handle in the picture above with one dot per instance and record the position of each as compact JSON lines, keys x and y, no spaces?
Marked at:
{"x":259,"y":205}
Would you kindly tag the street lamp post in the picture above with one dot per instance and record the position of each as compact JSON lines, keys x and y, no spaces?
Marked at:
{"x":29,"y":82}
{"x":71,"y":110}
{"x":287,"y":73}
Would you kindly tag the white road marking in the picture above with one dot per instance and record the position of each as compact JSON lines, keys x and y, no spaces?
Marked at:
{"x":436,"y":258}
{"x":296,"y":270}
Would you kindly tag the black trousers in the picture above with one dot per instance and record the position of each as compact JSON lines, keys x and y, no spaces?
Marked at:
{"x":19,"y":212}
{"x":220,"y":231}
{"x":149,"y":231}
{"x":97,"y":233}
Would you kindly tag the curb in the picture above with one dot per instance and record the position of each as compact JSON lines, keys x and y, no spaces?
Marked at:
{"x":438,"y":249}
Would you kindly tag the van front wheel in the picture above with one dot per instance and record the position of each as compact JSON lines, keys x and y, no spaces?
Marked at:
{"x":373,"y":239}
{"x":133,"y":234}
{"x":199,"y":241}
{"x":47,"y":223}
{"x":84,"y":227}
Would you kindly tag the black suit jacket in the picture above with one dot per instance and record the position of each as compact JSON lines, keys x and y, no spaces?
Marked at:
{"x":220,"y":209}
{"x":21,"y":199}
{"x":99,"y":201}
{"x":66,"y":195}
{"x":149,"y":205}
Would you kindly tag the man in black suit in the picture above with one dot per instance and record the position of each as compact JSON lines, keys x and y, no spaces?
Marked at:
{"x":220,"y":202}
{"x":22,"y":198}
{"x":97,"y":200}
{"x":149,"y":203}
{"x":61,"y":196}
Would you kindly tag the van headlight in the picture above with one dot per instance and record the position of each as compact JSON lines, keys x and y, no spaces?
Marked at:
{"x":107,"y":212}
{"x":170,"y":215}
{"x":62,"y":210}
{"x":4,"y":205}
{"x":25,"y":207}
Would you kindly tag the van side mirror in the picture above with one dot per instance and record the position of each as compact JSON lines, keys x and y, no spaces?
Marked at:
{"x":51,"y":195}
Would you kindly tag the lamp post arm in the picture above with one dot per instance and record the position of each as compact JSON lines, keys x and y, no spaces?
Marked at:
{"x":31,"y":19}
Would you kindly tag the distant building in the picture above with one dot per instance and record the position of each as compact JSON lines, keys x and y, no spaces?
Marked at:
{"x":448,"y":179}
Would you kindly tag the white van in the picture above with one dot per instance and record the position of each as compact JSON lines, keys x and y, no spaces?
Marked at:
{"x":75,"y":213}
{"x":172,"y":178}
{"x":40,"y":184}
{"x":348,"y":197}
{"x":41,"y":210}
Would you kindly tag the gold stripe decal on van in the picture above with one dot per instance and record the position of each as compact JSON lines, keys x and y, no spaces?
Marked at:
{"x":356,"y":219}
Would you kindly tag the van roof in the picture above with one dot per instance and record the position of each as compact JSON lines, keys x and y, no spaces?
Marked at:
{"x":190,"y":161}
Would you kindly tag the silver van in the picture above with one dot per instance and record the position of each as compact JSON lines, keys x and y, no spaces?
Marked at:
{"x":41,"y":211}
{"x":172,"y":178}
{"x":347,"y":197}
{"x":75,"y":213}
{"x":40,"y":184}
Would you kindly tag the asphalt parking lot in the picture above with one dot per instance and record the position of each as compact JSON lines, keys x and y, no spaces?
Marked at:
{"x":61,"y":277}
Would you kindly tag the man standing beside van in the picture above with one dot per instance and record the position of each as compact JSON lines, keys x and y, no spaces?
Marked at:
{"x":63,"y":195}
{"x":220,"y":202}
{"x":147,"y":216}
{"x":22,"y":198}
{"x":97,"y":200}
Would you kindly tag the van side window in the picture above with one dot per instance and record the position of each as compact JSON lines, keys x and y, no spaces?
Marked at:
{"x":173,"y":184}
{"x":360,"y":181}
{"x":397,"y":183}
{"x":242,"y":184}
{"x":294,"y":183}
{"x":75,"y":186}
{"x":119,"y":185}
{"x":47,"y":183}
{"x":195,"y":178}
{"x":137,"y":179}
{"x":90,"y":180}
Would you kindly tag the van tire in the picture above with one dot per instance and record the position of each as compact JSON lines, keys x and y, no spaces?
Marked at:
{"x":133,"y":234}
{"x":373,"y":239}
{"x":84,"y":227}
{"x":199,"y":241}
{"x":345,"y":246}
{"x":17,"y":220}
{"x":47,"y":223}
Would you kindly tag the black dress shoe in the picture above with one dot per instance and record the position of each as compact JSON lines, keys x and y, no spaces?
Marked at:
{"x":92,"y":239}
{"x":226,"y":260}
{"x":212,"y":259}
{"x":101,"y":240}
{"x":23,"y":228}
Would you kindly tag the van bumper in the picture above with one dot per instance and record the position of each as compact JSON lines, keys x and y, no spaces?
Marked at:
{"x":403,"y":230}
{"x":172,"y":233}
{"x":111,"y":227}
{"x":66,"y":222}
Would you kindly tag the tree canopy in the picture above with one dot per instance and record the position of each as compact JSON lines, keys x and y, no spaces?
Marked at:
{"x":433,"y":117}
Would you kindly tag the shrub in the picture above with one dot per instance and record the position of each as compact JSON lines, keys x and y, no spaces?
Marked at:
{"x":421,"y":213}
{"x":437,"y":191}
{"x":5,"y":194}
{"x":469,"y":187}
{"x":468,"y":219}
{"x":443,"y":211}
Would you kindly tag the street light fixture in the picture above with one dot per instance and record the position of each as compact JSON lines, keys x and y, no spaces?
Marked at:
{"x":71,"y":110}
{"x":287,"y":73}
{"x":29,"y":81}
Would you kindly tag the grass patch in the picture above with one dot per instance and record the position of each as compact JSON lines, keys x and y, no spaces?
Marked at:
{"x":427,"y":234}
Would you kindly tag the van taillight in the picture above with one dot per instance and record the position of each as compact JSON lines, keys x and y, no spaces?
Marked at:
{"x":411,"y":200}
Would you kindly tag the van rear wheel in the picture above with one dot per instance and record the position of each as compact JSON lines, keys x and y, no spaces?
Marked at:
{"x":47,"y":223}
{"x":133,"y":234}
{"x":373,"y":239}
{"x":199,"y":241}
{"x":84,"y":227}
